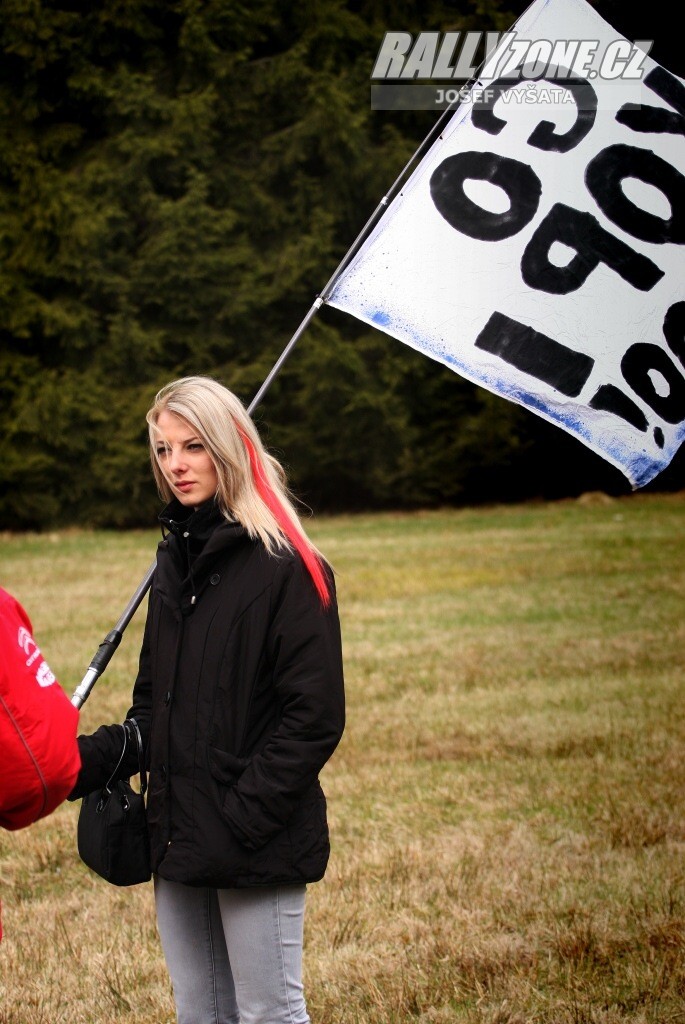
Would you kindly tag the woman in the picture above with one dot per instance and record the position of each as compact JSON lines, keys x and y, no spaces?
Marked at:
{"x":239,"y":697}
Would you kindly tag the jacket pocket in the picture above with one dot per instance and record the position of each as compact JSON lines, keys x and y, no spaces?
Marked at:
{"x":299,"y":852}
{"x":224,"y":767}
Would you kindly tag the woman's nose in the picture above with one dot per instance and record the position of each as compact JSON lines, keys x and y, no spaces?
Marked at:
{"x":175,"y":461}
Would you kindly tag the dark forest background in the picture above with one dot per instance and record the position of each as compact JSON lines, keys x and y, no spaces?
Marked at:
{"x":178,"y":180}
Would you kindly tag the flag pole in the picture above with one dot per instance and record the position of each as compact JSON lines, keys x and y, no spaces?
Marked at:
{"x":322,"y":297}
{"x":103,"y":655}
{"x":105,"y":651}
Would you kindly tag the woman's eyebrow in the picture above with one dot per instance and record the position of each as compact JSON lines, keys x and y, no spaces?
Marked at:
{"x":186,"y":440}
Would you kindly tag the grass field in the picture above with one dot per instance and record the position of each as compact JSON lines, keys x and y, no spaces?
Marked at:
{"x":507,"y":804}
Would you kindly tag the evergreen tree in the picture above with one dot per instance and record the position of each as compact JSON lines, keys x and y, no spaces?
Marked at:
{"x":178,"y":179}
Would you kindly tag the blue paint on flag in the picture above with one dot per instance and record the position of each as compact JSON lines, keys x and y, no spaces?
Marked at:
{"x":640,"y":467}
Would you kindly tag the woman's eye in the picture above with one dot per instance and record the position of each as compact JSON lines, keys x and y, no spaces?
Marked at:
{"x":161,"y":452}
{"x":195,"y":446}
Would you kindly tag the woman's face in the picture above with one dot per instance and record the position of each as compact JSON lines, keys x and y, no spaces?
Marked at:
{"x":183,"y":459}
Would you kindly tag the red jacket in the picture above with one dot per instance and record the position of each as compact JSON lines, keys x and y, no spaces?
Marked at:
{"x":38,"y":723}
{"x":40,"y":758}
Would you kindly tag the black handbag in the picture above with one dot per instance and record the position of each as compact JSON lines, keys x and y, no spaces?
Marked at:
{"x":112,"y":832}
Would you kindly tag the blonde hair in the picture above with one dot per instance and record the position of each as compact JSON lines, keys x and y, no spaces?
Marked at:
{"x":252,"y":484}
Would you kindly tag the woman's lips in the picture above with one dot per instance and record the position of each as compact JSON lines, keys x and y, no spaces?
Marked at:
{"x":183,"y":485}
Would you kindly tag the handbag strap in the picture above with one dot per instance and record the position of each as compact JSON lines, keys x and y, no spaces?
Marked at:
{"x":131,"y":731}
{"x":113,"y":776}
{"x":134,"y":729}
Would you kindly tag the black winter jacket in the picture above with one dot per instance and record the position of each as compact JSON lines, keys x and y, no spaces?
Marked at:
{"x":240,"y":701}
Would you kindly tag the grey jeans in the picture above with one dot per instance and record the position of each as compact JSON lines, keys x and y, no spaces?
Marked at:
{"x":234,"y":955}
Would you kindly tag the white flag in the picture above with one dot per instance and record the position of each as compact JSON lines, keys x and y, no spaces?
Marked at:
{"x":537,"y":249}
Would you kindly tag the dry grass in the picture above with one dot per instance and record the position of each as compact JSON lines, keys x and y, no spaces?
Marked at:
{"x":507,"y":804}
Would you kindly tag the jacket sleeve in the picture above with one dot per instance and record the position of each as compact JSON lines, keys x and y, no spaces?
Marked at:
{"x":101,"y":750}
{"x":304,"y":649}
{"x":38,"y":725}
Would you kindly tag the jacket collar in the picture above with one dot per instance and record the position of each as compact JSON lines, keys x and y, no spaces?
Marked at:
{"x":195,"y":538}
{"x":199,"y":523}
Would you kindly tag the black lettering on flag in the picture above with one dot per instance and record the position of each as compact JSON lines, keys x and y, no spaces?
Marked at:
{"x":611,"y":399}
{"x":656,"y":119}
{"x":674,"y":330}
{"x":517,"y":179}
{"x":592,"y":244}
{"x":637,"y":366}
{"x":534,"y":353}
{"x":604,"y":176}
{"x":543,"y":136}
